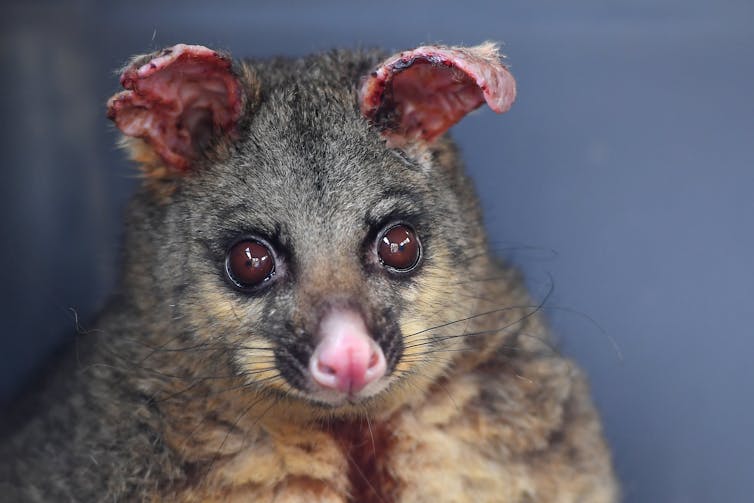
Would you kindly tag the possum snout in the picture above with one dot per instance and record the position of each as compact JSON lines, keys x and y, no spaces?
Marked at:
{"x":347,"y":359}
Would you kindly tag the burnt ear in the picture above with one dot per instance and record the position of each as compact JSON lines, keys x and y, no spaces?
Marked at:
{"x":176,"y":102}
{"x":419,"y":94}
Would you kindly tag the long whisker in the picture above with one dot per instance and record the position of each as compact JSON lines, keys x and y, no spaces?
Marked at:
{"x":371,"y":433}
{"x":363,"y":476}
{"x":223,"y":390}
{"x":614,"y":343}
{"x":494,"y":311}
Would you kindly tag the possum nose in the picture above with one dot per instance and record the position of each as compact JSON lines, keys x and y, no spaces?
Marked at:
{"x":346,"y":359}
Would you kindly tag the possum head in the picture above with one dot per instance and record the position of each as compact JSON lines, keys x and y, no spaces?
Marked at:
{"x":318,"y":226}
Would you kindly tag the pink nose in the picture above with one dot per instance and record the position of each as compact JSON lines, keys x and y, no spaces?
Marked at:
{"x":347,"y":359}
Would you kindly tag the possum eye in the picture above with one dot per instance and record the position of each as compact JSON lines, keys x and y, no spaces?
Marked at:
{"x":398,"y":248}
{"x":249,"y":263}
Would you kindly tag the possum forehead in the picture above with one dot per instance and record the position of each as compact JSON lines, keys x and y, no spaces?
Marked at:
{"x":302,"y":168}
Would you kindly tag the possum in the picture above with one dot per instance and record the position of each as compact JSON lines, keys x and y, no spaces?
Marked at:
{"x":309,"y":309}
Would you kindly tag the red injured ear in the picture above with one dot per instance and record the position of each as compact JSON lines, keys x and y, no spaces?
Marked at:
{"x":177,"y":100}
{"x":419,"y":94}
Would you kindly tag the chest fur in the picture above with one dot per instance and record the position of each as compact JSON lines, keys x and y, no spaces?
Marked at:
{"x":437,"y":448}
{"x":475,"y":440}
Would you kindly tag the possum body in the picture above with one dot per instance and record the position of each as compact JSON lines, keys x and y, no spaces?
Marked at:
{"x":309,"y":310}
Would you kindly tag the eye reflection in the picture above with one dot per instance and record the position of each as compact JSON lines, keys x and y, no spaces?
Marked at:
{"x":249,"y":263}
{"x":399,"y":248}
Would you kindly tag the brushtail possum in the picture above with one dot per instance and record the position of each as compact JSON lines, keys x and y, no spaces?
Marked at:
{"x":309,"y":310}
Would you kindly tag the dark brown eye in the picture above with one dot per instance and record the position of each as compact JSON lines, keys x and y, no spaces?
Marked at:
{"x":249,"y":263}
{"x":399,"y":248}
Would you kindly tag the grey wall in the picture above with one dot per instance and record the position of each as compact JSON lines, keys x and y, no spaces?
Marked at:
{"x":625,"y":172}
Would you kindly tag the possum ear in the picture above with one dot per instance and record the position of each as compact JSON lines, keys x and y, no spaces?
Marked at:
{"x":419,"y":94}
{"x":176,"y":102}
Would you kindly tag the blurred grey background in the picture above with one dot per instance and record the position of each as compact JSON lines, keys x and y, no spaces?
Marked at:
{"x":624,"y":172}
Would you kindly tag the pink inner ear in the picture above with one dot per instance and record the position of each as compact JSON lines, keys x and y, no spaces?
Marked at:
{"x":423,"y":92}
{"x":177,"y":101}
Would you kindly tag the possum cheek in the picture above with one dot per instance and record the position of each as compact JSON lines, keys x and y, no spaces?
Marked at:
{"x":227,"y":322}
{"x":430,"y":322}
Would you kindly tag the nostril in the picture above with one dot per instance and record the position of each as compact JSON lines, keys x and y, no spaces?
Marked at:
{"x":323,"y":374}
{"x":326,"y":369}
{"x":376,"y":365}
{"x":374,"y":360}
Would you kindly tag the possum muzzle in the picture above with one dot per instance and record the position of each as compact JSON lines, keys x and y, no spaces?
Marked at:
{"x":347,"y":363}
